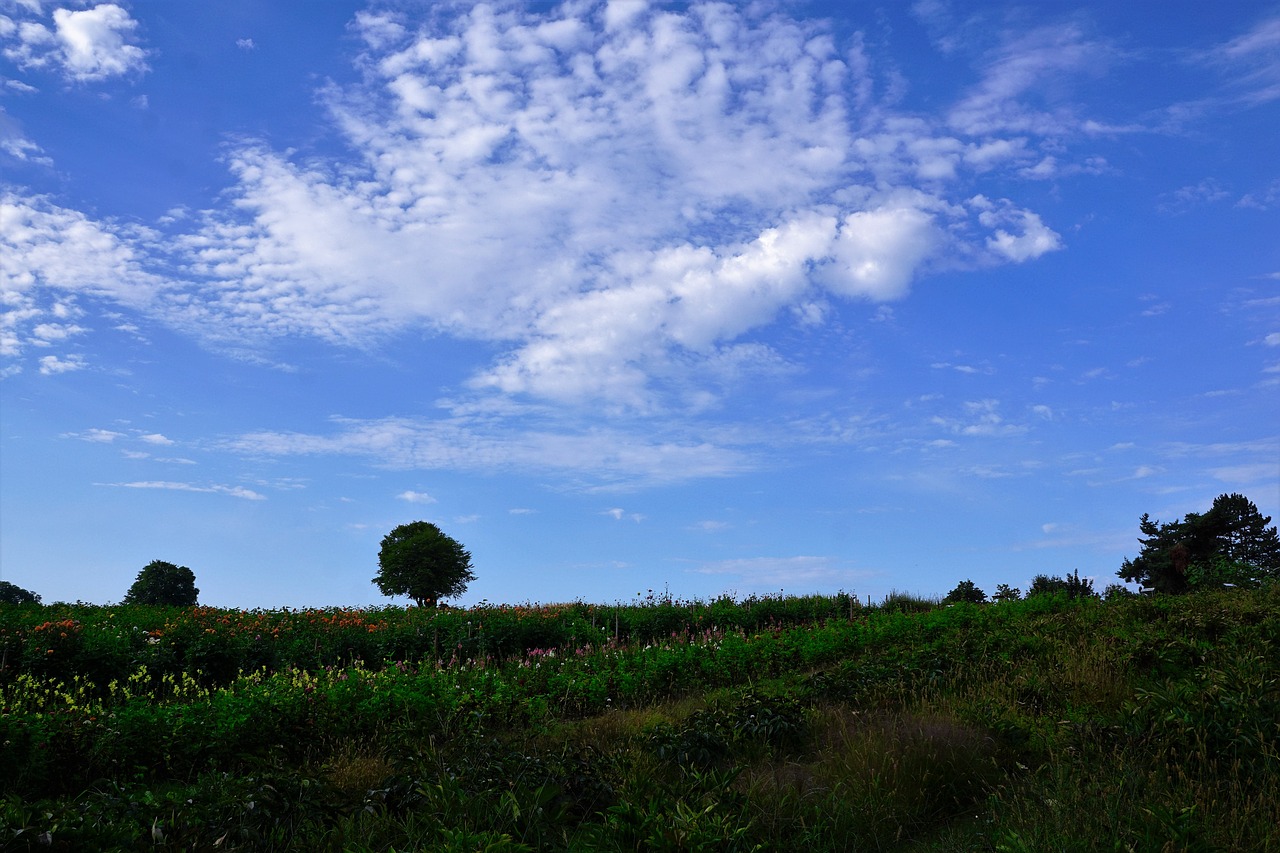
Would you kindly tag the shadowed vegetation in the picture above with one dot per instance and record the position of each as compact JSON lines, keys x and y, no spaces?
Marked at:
{"x":1048,"y":723}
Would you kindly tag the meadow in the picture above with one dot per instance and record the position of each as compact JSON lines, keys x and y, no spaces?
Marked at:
{"x":797,"y":723}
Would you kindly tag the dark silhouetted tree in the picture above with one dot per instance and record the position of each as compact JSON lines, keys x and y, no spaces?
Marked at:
{"x":1230,"y":544}
{"x":1004,"y":592}
{"x":420,"y":561}
{"x":14,"y":594}
{"x":163,"y":583}
{"x":966,"y":590}
{"x":1073,"y":585}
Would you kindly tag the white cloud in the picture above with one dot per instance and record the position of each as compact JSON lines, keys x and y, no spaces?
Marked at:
{"x":981,"y":418}
{"x":665,"y":184}
{"x":86,"y":45}
{"x":232,"y":491}
{"x":51,"y":364}
{"x":618,"y":514}
{"x":156,"y":438}
{"x":99,"y":436}
{"x":612,"y":198}
{"x":416,"y":497}
{"x":603,"y":457}
{"x":1253,"y":59}
{"x":51,"y":255}
{"x":245,"y":44}
{"x":1012,"y":94}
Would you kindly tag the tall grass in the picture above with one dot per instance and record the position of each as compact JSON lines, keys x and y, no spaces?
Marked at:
{"x":1044,"y":724}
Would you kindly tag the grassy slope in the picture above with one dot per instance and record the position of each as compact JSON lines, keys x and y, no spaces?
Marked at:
{"x":1141,"y":724}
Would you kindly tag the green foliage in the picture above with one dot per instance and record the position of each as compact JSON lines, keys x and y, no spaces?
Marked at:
{"x":966,"y":591}
{"x":165,"y":584}
{"x":1073,"y":586}
{"x":1228,"y":545}
{"x":419,"y":560}
{"x":1045,"y":723}
{"x":1004,"y":592}
{"x":14,"y":594}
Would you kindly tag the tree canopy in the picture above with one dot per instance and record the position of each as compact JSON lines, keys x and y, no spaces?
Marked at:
{"x":1230,"y":544}
{"x":419,"y":560}
{"x":968,"y":591}
{"x":11,"y":593}
{"x":1073,"y":585}
{"x":163,"y":583}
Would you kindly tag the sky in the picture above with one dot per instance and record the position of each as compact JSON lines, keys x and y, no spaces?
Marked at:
{"x":697,"y":298}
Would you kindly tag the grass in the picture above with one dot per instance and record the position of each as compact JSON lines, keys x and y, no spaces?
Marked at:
{"x":1143,"y":724}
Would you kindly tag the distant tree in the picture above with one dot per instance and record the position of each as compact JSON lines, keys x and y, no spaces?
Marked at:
{"x":966,"y":590}
{"x":1228,"y":545}
{"x":14,"y":594}
{"x":1004,"y":592}
{"x":420,"y":561}
{"x":163,"y":583}
{"x":1046,"y":585}
{"x":1073,"y":585}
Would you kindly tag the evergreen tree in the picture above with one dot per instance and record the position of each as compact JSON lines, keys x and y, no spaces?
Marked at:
{"x":1229,"y":544}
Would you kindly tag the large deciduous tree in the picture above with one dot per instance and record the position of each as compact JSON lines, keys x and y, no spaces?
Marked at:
{"x":163,"y":583}
{"x":419,"y":560}
{"x":1229,"y":544}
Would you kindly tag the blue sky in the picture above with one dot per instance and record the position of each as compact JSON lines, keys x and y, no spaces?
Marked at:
{"x":703,"y":298}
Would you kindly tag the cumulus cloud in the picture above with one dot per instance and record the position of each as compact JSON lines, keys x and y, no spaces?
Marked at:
{"x":85,"y":45}
{"x":413,"y":497}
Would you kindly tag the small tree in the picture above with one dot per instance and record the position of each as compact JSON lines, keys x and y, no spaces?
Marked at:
{"x":163,"y":583}
{"x":13,"y":594}
{"x":420,"y":561}
{"x":1046,"y":585}
{"x":1004,"y":592}
{"x":966,"y":590}
{"x":1073,"y":585}
{"x":1228,"y":545}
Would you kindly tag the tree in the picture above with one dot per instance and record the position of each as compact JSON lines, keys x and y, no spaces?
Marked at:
{"x":1228,"y":545}
{"x":966,"y":590}
{"x":1004,"y":592}
{"x":420,"y":561}
{"x":14,"y":594}
{"x":163,"y":583}
{"x":1073,"y":585}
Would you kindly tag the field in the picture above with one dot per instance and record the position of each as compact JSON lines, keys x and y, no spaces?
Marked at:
{"x":799,"y":723}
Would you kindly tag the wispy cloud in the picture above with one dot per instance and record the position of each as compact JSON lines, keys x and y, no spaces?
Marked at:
{"x":793,"y":574}
{"x":232,"y":491}
{"x":602,"y":456}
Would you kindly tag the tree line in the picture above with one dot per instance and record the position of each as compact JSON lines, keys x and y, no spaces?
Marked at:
{"x":1230,"y":545}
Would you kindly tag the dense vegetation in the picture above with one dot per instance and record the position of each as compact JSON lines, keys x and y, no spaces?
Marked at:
{"x":1046,"y":723}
